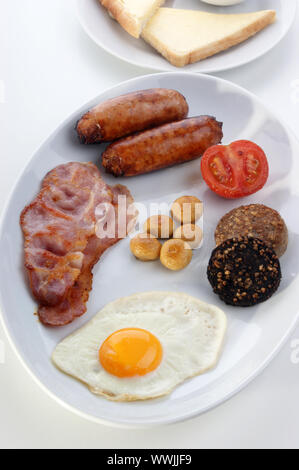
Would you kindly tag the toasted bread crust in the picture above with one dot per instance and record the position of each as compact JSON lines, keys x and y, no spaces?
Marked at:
{"x":119,"y":12}
{"x":181,"y":60}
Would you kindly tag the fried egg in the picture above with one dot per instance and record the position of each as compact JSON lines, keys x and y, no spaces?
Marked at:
{"x":141,"y":347}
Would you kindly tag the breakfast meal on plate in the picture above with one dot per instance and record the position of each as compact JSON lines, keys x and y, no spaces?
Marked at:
{"x":132,"y":15}
{"x":176,"y":254}
{"x":190,"y":233}
{"x":130,"y":113}
{"x":254,"y":220}
{"x":162,"y":147}
{"x":61,"y":245}
{"x":244,"y":271}
{"x":160,"y":226}
{"x":187,"y":36}
{"x":236,"y":170}
{"x":187,"y":209}
{"x":145,"y":247}
{"x":143,"y":346}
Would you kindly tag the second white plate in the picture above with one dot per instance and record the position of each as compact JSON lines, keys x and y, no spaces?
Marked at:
{"x":107,"y":33}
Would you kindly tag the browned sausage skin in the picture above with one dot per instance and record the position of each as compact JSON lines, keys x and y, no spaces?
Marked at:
{"x":131,"y":113}
{"x":162,"y":147}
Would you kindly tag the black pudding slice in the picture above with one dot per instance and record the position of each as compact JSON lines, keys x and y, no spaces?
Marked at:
{"x":244,"y":271}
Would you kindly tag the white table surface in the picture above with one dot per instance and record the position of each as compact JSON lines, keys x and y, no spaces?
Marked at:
{"x":48,"y":68}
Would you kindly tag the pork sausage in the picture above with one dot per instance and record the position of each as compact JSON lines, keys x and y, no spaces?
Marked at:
{"x":131,"y":113}
{"x":162,"y":147}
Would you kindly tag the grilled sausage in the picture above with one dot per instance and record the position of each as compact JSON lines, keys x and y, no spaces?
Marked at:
{"x":162,"y":147}
{"x":131,"y":113}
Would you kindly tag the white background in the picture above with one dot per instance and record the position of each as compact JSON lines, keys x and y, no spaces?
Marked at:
{"x":48,"y":68}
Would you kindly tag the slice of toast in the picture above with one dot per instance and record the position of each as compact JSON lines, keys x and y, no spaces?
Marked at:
{"x":132,"y":15}
{"x":186,"y":36}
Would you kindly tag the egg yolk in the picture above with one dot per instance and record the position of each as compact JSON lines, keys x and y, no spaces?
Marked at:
{"x":129,"y":352}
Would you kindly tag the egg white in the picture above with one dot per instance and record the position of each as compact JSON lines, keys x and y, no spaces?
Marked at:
{"x":191,"y":333}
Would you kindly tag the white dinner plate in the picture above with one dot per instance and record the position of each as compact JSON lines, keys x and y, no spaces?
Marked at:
{"x":254,"y":334}
{"x":108,"y":34}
